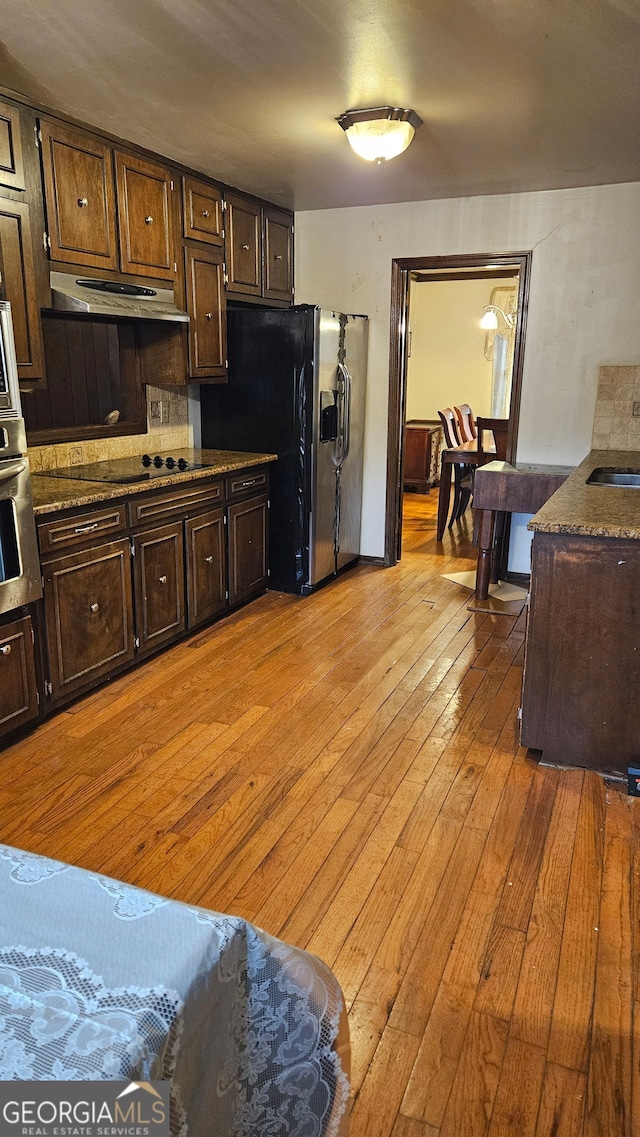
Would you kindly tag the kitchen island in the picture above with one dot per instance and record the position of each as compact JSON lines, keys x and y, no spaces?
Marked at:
{"x":582,"y":663}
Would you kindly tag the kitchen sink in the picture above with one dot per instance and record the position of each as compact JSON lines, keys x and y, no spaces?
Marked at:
{"x":614,"y":476}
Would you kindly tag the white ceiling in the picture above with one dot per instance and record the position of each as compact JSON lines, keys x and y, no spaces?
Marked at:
{"x":515,"y":94}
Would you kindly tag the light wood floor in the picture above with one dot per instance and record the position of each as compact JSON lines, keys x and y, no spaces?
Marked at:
{"x":344,"y":771}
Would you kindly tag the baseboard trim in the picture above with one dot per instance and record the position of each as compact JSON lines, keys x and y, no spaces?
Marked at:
{"x":380,"y":561}
{"x":523,"y":579}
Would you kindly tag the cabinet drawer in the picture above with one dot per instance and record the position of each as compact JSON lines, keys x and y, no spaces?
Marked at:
{"x":18,"y":692}
{"x":246,"y":484}
{"x":70,"y":532}
{"x":186,"y":501}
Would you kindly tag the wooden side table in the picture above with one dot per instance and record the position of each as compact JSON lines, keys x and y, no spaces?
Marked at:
{"x":422,"y":444}
{"x":500,"y":488}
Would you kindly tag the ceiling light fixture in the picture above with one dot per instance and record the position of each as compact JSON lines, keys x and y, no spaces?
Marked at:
{"x":379,"y":133}
{"x":490,"y":319}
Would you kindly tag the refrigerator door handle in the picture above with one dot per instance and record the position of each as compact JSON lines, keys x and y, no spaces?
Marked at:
{"x":341,"y":448}
{"x":348,"y":382}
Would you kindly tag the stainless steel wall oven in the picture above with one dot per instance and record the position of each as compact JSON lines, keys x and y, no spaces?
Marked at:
{"x":19,"y":563}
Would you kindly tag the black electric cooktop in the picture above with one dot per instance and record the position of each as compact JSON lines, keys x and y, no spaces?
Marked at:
{"x":126,"y":471}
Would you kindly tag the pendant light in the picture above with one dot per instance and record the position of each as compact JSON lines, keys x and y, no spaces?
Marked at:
{"x":379,"y":133}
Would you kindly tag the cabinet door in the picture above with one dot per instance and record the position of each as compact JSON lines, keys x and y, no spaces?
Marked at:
{"x":18,"y":286}
{"x":277,"y":244}
{"x":206,"y":569}
{"x":88,"y":608}
{"x":243,"y":245}
{"x":80,"y":197}
{"x":159,"y":585}
{"x":144,"y":211}
{"x":248,"y":548}
{"x":202,"y":206}
{"x":11,"y":165}
{"x":206,"y":304}
{"x":18,"y":690}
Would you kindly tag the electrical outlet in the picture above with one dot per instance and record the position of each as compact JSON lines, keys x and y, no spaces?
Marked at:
{"x":164,"y":411}
{"x":155,"y":410}
{"x":75,"y":455}
{"x":636,"y":410}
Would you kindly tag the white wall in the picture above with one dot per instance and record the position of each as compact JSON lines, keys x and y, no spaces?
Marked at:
{"x":583,"y":308}
{"x":447,"y":365}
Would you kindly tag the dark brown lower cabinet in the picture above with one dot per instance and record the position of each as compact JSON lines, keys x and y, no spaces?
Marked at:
{"x":582,"y":664}
{"x":89,"y":615}
{"x":206,"y":566}
{"x":159,"y":585}
{"x":18,"y":688}
{"x":248,"y":548}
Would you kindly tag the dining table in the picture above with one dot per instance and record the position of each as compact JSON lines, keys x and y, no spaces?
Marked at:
{"x":101,"y":980}
{"x":466,"y":454}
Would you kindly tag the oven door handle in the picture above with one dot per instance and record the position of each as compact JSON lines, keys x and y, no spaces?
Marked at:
{"x":10,"y":471}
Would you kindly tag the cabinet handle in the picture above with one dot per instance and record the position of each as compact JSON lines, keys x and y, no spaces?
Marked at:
{"x":205,"y":212}
{"x":246,"y":247}
{"x":83,"y":201}
{"x":278,"y":257}
{"x":162,"y":579}
{"x":94,"y":607}
{"x":6,"y":649}
{"x":253,"y":482}
{"x":209,"y":560}
{"x":148,"y":220}
{"x":209,"y":315}
{"x":86,"y":528}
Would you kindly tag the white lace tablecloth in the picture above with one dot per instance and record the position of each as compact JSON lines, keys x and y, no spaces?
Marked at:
{"x":102,"y":980}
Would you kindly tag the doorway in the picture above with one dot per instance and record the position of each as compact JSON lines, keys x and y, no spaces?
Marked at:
{"x":505,"y":277}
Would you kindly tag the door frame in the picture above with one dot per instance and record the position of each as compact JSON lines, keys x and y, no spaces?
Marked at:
{"x":401,"y":271}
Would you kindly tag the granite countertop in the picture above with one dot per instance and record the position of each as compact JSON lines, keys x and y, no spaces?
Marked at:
{"x":594,"y":511}
{"x":52,"y":493}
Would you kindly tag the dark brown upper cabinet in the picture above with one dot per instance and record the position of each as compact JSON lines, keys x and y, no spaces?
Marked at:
{"x":203,"y":215}
{"x":80,"y":197}
{"x":277,"y":246}
{"x":11,"y":165}
{"x":206,"y":304}
{"x":243,"y":245}
{"x":18,"y":286}
{"x":144,"y":210}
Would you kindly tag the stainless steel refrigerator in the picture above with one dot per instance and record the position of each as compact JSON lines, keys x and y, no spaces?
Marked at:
{"x":297,"y":383}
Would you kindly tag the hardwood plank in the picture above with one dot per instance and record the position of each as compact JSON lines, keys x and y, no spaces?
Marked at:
{"x":562,"y":1102}
{"x":475,"y":1085}
{"x":569,"y":1037}
{"x":376,"y":1106}
{"x":515,"y":1109}
{"x":610,"y":1074}
{"x":531,"y":1020}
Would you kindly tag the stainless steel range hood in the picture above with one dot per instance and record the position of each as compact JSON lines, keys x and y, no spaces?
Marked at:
{"x":97,"y":297}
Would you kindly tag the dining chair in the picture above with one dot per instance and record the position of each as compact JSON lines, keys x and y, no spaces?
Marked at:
{"x":500,"y":429}
{"x":466,"y":423}
{"x":462,"y":480}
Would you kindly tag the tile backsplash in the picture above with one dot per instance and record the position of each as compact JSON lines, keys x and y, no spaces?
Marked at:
{"x":616,"y":424}
{"x":169,"y":430}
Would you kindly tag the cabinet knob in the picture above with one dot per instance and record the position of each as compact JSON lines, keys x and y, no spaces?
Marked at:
{"x":83,"y":201}
{"x":6,"y":649}
{"x":209,"y":560}
{"x":246,"y":247}
{"x":148,"y":220}
{"x":94,"y":607}
{"x":278,"y":257}
{"x":205,"y":212}
{"x":162,"y":579}
{"x":209,"y":315}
